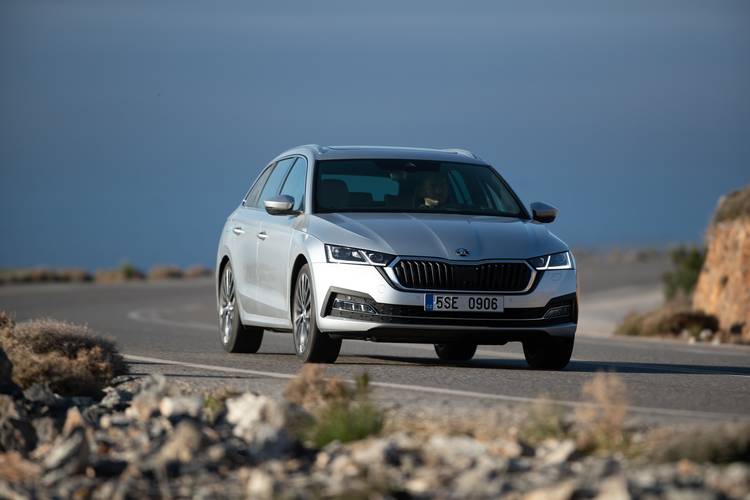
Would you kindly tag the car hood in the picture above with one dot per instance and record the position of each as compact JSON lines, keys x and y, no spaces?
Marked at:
{"x":436,"y":235}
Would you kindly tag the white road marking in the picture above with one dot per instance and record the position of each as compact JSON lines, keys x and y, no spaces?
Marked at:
{"x":444,"y":391}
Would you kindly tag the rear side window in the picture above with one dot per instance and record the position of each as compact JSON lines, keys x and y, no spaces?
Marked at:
{"x":294,"y":185}
{"x":273,"y":183}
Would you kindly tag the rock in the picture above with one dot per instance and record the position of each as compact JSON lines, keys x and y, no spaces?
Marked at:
{"x":559,"y":491}
{"x":614,"y":488}
{"x":43,"y":395}
{"x":15,"y":469}
{"x":186,"y":441}
{"x":146,"y":402}
{"x":375,"y":451}
{"x":16,"y":431}
{"x":260,"y":485}
{"x":511,"y":448}
{"x":183,"y":406}
{"x":556,"y":452}
{"x":7,"y":386}
{"x":264,"y":423}
{"x":68,"y":457}
{"x":46,"y":429}
{"x":456,"y":451}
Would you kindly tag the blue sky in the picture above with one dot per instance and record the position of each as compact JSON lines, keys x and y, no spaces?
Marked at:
{"x":130,"y":130}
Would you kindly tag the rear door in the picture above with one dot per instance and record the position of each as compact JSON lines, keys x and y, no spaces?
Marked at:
{"x":274,"y":248}
{"x":246,"y":235}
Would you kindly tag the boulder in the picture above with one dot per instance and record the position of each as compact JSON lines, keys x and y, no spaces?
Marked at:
{"x":265,"y":424}
{"x":723,"y":287}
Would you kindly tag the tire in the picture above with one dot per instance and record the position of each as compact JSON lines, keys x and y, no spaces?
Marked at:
{"x":234,"y":336}
{"x":548,"y":353}
{"x":310,"y":344}
{"x":455,"y":352}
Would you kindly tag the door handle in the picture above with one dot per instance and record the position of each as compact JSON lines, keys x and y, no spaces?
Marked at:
{"x":262,"y":235}
{"x":238,"y":230}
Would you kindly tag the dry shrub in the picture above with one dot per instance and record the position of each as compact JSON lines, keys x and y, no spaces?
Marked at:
{"x":311,"y":390}
{"x":197,"y":272}
{"x":724,"y":443}
{"x":341,"y":413}
{"x":165,"y":273}
{"x":545,"y":420}
{"x":43,"y":275}
{"x":126,"y":272}
{"x":601,"y":424}
{"x":69,"y":358}
{"x":671,"y":319}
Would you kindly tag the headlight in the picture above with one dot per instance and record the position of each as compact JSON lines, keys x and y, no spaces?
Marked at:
{"x":562,"y":260}
{"x":348,"y":255}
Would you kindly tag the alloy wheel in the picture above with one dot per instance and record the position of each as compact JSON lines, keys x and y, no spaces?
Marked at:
{"x":302,"y":311}
{"x":226,"y":311}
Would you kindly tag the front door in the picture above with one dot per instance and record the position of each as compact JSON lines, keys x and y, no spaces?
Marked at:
{"x":274,"y":247}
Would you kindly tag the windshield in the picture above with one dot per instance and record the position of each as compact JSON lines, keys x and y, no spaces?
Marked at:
{"x":413,"y":186}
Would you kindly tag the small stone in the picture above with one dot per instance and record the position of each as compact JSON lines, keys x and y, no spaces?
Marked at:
{"x":182,"y":406}
{"x":559,"y":491}
{"x":182,"y":446}
{"x":260,"y":485}
{"x":16,"y":432}
{"x":73,"y":421}
{"x":614,"y":488}
{"x":375,"y":451}
{"x":263,"y":423}
{"x":16,"y":469}
{"x":558,"y":453}
{"x":68,"y":457}
{"x":43,"y":395}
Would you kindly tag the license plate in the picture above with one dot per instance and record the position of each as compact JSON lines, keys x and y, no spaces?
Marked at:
{"x":463,"y":303}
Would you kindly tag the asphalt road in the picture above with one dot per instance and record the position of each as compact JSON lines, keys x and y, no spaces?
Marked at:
{"x":172,"y":325}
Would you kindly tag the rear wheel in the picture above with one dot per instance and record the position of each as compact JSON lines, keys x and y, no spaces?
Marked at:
{"x":310,"y":344}
{"x":235,"y":337}
{"x":455,"y":352}
{"x":548,"y":353}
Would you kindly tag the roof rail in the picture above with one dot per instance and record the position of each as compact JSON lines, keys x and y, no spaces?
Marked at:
{"x":316,"y":147}
{"x":464,"y":152}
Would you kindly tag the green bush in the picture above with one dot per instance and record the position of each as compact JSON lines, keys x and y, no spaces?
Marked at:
{"x":346,"y":419}
{"x":687,"y":263}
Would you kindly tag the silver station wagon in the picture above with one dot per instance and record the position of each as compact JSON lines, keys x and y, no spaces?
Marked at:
{"x":393,"y":245}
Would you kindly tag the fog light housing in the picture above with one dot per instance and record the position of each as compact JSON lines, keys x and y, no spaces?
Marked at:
{"x":352,"y":304}
{"x":558,"y":312}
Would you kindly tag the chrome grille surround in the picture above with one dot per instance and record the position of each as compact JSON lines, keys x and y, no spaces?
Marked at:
{"x":422,"y":274}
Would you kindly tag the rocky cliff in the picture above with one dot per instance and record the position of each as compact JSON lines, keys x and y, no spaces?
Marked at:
{"x":723,"y":287}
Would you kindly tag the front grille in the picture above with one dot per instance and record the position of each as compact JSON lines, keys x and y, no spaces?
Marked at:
{"x":437,"y":275}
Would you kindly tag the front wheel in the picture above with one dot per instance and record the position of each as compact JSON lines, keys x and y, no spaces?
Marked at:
{"x":455,"y":352}
{"x":548,"y":353}
{"x":235,"y":337}
{"x":310,"y":344}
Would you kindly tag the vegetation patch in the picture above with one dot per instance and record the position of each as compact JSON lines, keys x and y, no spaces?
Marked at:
{"x":341,"y":413}
{"x":69,"y":358}
{"x":733,"y":206}
{"x":600,"y":425}
{"x":165,"y":273}
{"x":687,"y":263}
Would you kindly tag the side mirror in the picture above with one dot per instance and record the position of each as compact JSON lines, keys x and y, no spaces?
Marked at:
{"x":280,"y":205}
{"x":541,"y":212}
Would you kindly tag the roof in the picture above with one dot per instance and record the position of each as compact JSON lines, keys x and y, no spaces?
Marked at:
{"x":360,"y":152}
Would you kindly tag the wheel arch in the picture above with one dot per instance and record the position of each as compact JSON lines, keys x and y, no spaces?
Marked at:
{"x":299,"y":261}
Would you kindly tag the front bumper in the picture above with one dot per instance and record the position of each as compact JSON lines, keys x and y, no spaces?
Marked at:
{"x":399,"y":316}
